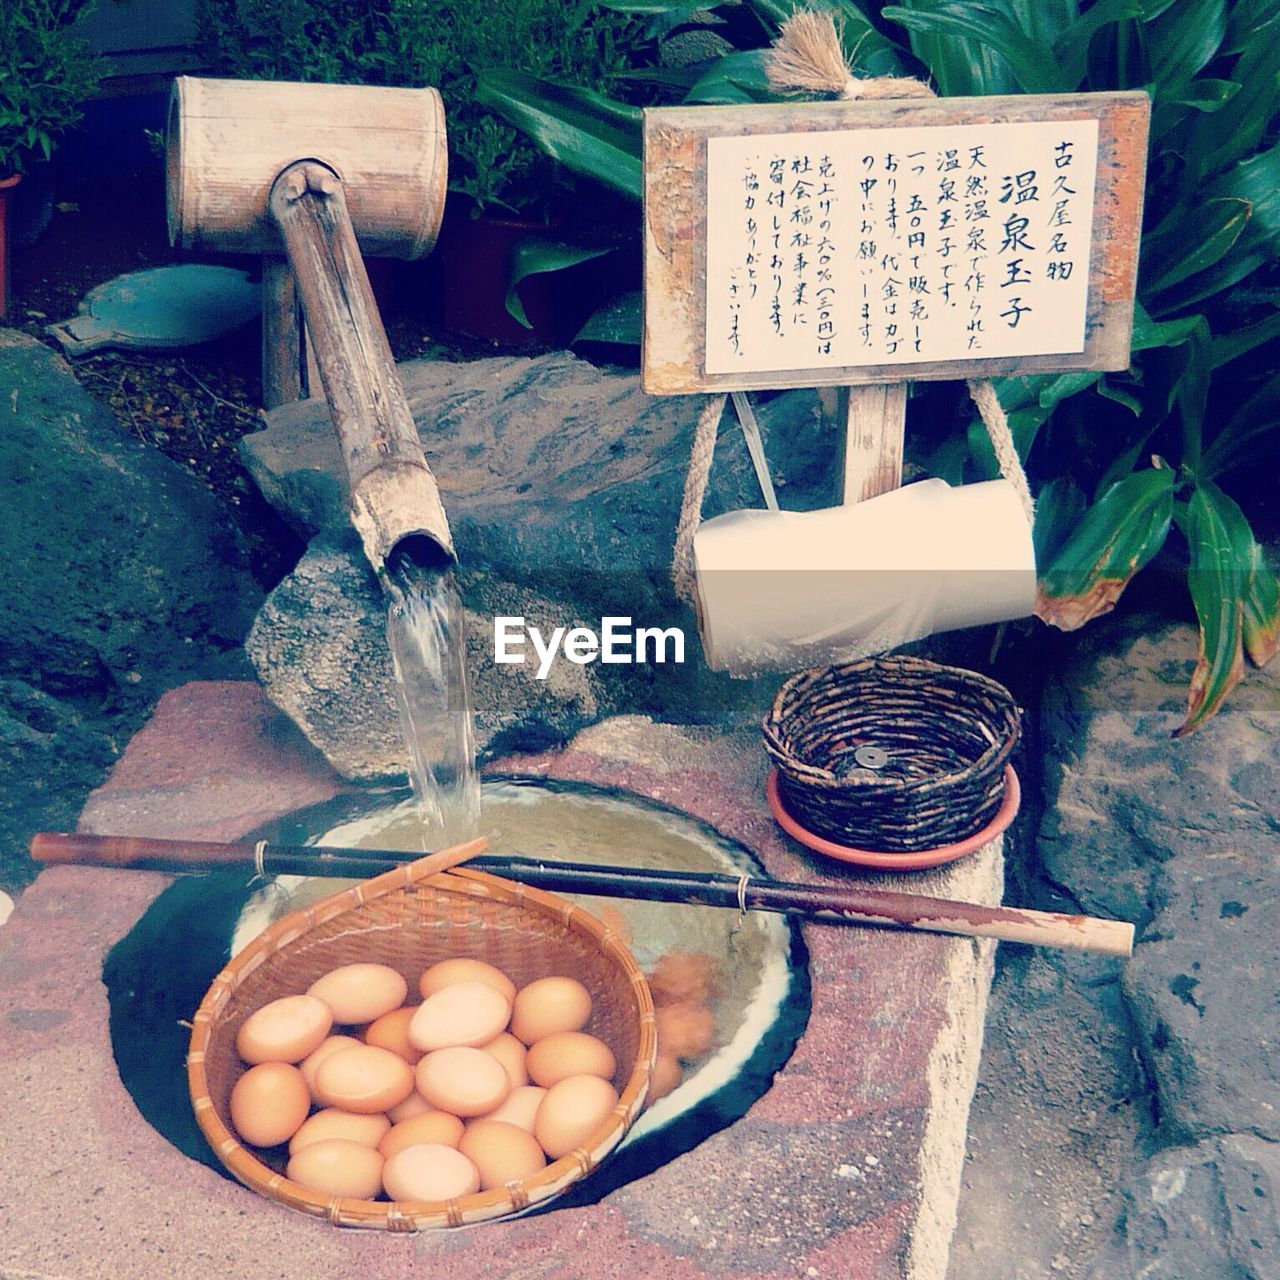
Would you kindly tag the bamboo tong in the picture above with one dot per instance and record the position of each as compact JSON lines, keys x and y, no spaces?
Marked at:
{"x":828,"y":904}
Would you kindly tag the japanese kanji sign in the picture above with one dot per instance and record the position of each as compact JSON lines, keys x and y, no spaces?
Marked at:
{"x":846,"y":242}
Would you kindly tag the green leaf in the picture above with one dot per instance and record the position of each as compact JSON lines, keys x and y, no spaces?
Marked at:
{"x":1116,"y":537}
{"x":1231,"y":346}
{"x":1149,"y":334}
{"x":1217,"y":141}
{"x":1067,"y":384}
{"x":1220,"y":542}
{"x":618,"y":322}
{"x":1059,"y":508}
{"x":1261,"y":610}
{"x":1204,"y":94}
{"x":1256,"y":181}
{"x":535,"y":255}
{"x":1183,"y":39}
{"x":1121,"y":393}
{"x":1206,"y":236}
{"x":868,"y":49}
{"x":1033,"y":67}
{"x":734,"y":78}
{"x":652,"y":7}
{"x":586,"y":132}
{"x":1250,"y":432}
{"x":1071,"y":48}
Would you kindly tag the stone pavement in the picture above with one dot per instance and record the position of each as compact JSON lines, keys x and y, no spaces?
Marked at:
{"x":848,"y":1167}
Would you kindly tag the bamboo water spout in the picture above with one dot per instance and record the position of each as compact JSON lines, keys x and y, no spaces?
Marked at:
{"x":395,"y":502}
{"x":250,"y":164}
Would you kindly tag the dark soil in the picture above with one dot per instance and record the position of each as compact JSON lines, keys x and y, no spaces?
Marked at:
{"x":193,"y":404}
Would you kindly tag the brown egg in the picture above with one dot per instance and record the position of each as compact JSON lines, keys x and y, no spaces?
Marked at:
{"x":572,"y":1110}
{"x":468,"y":1082}
{"x":391,"y":1031}
{"x":335,"y":1123}
{"x":464,"y":969}
{"x":338,"y":1167}
{"x":501,"y":1152}
{"x":616,"y":922}
{"x":463,"y":1013}
{"x":269,"y":1103}
{"x":365,"y":1080}
{"x":429,"y":1171}
{"x":511,"y":1053}
{"x":359,"y":993}
{"x":682,"y":977}
{"x":666,"y":1075}
{"x":311,"y":1064}
{"x":549,"y":1005}
{"x":437,"y":1127}
{"x":414,"y":1105}
{"x":569,"y":1053}
{"x":521,"y":1107}
{"x":286,"y":1030}
{"x":685,"y":1030}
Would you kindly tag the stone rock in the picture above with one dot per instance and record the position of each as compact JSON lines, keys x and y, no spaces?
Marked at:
{"x":119,"y":573}
{"x":1206,"y":1210}
{"x":51,"y":757}
{"x":1179,"y":836}
{"x":320,"y":650}
{"x":119,"y":577}
{"x":552,"y":468}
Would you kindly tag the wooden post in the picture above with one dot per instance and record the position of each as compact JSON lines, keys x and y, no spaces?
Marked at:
{"x":394,"y":496}
{"x":875,"y":419}
{"x":281,"y":334}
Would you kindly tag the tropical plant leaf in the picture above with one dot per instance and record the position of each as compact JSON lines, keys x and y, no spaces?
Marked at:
{"x":1261,"y":610}
{"x":734,"y":78}
{"x":1183,"y":39}
{"x":869,"y":49}
{"x":1220,"y":543}
{"x":1194,"y":242}
{"x":1115,"y":538}
{"x":1059,"y":508}
{"x":586,"y":132}
{"x":1257,"y":181}
{"x":1071,"y":47}
{"x":1033,"y":67}
{"x":537,"y":254}
{"x":618,"y":322}
{"x":1227,"y":347}
{"x":1250,"y":429}
{"x":1204,"y":94}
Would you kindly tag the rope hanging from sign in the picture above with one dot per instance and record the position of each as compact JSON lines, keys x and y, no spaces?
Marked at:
{"x":808,"y":57}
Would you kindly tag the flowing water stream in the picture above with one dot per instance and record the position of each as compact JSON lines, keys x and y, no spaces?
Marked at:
{"x":426,"y":633}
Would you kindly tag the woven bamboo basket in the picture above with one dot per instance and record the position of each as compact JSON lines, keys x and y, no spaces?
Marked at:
{"x":409,"y":920}
{"x":939,"y":737}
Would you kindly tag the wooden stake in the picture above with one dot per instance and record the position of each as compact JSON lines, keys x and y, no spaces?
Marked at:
{"x":281,"y":334}
{"x":875,"y":420}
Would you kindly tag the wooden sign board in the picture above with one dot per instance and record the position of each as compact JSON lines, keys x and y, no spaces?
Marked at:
{"x":849,"y":243}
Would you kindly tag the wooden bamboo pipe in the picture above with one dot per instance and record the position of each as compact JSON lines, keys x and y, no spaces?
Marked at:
{"x":831,"y":904}
{"x":395,"y":502}
{"x":248,"y":162}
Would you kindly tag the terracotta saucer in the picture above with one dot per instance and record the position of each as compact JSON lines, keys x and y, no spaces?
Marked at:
{"x":899,"y":861}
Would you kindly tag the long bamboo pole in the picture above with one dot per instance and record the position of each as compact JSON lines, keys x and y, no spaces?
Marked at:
{"x":832,"y":904}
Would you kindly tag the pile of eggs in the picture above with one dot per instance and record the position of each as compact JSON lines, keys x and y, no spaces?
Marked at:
{"x":478,"y":1086}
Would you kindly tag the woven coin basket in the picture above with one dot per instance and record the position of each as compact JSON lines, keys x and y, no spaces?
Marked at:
{"x":894,"y":754}
{"x":409,"y":920}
